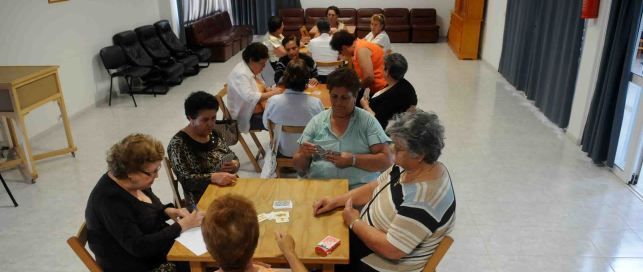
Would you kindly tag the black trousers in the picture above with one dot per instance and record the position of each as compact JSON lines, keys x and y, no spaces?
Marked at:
{"x":358,"y":250}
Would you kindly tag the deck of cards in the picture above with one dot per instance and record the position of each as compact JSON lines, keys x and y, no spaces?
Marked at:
{"x":282,"y":204}
{"x":279,"y":217}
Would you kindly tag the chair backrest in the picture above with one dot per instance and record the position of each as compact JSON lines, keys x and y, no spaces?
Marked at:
{"x":174,"y":183}
{"x":314,"y":14}
{"x":438,"y":254}
{"x":113,"y":57}
{"x":423,"y":16}
{"x":151,"y":42}
{"x":329,"y":63}
{"x":364,"y":15}
{"x":168,"y":37}
{"x":77,"y":244}
{"x":396,"y":16}
{"x":292,"y":17}
{"x":348,"y":16}
{"x":135,"y":53}
{"x":284,"y":128}
{"x":223,"y":92}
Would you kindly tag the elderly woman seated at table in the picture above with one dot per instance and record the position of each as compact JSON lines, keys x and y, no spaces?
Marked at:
{"x":126,"y":226}
{"x":293,"y":107}
{"x":377,"y":34}
{"x":198,"y":154}
{"x":273,"y":39}
{"x":246,"y":88}
{"x":398,"y":96}
{"x":231,"y":233}
{"x":291,"y":43}
{"x":344,"y":141}
{"x":408,"y":209}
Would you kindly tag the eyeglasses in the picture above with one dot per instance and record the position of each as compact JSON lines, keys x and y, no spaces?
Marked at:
{"x":156,"y":172}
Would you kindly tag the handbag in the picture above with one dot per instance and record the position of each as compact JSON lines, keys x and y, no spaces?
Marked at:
{"x":228,"y":130}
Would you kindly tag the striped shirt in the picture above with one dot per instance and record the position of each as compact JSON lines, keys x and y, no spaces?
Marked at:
{"x":414,"y":216}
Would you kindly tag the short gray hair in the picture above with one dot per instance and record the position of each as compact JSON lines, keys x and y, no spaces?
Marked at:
{"x":396,"y":65}
{"x":421,"y":131}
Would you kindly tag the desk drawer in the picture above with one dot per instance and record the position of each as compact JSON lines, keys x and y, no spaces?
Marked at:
{"x":36,"y":91}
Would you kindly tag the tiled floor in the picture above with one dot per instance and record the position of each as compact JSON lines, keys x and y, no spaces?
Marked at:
{"x":528,"y":198}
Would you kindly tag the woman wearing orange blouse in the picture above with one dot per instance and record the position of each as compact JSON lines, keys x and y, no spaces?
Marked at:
{"x":367,"y":59}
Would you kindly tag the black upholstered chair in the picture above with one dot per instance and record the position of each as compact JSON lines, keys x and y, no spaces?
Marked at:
{"x":154,"y":46}
{"x":136,"y":55}
{"x":116,"y":65}
{"x":172,"y":42}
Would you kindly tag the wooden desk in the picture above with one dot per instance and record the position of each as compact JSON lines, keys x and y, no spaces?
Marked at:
{"x":306,"y":229}
{"x":23,"y":89}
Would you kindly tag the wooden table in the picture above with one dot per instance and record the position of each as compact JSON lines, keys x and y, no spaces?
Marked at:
{"x":23,"y":89}
{"x":306,"y":229}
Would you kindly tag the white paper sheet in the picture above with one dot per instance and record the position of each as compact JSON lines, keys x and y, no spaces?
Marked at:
{"x":192,"y":239}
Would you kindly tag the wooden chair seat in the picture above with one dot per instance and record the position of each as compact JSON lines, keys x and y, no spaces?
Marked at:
{"x":282,"y":162}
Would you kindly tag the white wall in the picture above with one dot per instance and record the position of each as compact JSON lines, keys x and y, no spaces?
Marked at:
{"x":588,"y":70}
{"x":492,"y":32}
{"x":443,"y":8}
{"x":69,"y":34}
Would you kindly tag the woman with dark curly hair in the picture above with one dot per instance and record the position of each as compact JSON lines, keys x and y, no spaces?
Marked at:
{"x":408,"y":209}
{"x":199,"y":155}
{"x":126,"y":226}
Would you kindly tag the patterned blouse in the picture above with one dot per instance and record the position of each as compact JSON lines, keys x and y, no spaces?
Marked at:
{"x":193,"y":162}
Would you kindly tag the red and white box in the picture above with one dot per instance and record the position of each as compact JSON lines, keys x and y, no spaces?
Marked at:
{"x":327,"y":245}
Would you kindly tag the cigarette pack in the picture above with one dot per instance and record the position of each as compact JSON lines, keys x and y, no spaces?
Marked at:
{"x":327,"y":245}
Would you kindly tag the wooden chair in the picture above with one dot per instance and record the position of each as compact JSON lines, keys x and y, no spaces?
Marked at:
{"x":254,"y":158}
{"x":77,"y":244}
{"x":439,"y":252}
{"x":174,"y":183}
{"x":282,"y":162}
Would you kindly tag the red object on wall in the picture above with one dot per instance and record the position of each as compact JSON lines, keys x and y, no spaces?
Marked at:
{"x":590,"y":9}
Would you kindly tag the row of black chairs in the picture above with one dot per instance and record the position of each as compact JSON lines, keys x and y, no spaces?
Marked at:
{"x":153,"y":55}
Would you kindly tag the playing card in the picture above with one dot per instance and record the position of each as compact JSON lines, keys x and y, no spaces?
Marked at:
{"x":261,"y":217}
{"x":282,"y":220}
{"x":282,"y":204}
{"x":281,"y":214}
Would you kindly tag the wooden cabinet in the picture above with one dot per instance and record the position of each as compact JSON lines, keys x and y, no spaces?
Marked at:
{"x":465,"y":26}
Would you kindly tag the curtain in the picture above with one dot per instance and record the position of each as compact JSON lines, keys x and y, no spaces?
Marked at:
{"x":541,"y":53}
{"x":197,"y":9}
{"x":602,"y":129}
{"x":257,"y":12}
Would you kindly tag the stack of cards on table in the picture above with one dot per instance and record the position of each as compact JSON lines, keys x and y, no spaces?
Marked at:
{"x":279,"y":217}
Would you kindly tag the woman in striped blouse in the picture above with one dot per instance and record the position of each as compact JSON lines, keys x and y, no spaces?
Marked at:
{"x":409,"y":208}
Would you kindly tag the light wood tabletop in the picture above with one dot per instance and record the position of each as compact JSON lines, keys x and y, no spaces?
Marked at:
{"x":306,"y":229}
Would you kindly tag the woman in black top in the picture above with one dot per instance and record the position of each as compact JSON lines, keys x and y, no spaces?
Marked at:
{"x":126,"y":226}
{"x":291,"y":44}
{"x":199,"y":156}
{"x":397,"y":97}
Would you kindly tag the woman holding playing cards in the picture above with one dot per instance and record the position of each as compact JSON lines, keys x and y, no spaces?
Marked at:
{"x":343,"y":141}
{"x":199,"y":156}
{"x":408,"y":209}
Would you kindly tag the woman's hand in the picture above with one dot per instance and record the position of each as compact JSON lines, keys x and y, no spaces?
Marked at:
{"x":308,"y":149}
{"x":192,"y":220}
{"x":230,"y":166}
{"x":223,"y":178}
{"x":285,"y":242}
{"x":175,"y":214}
{"x":313,"y":82}
{"x":323,"y":205}
{"x":364,"y":102}
{"x":349,"y":214}
{"x":340,"y":160}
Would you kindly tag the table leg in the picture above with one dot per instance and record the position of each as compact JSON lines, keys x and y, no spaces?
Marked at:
{"x":63,"y":112}
{"x":328,"y":268}
{"x":29,"y":158}
{"x":197,"y":267}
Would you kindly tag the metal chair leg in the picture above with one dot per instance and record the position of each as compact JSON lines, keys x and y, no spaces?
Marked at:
{"x":111,"y":82}
{"x":129,"y":85}
{"x":15,"y":204}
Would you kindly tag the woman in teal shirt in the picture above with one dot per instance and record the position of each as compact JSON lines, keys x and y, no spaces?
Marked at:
{"x":343,"y":141}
